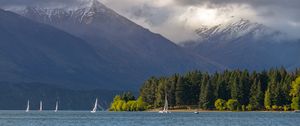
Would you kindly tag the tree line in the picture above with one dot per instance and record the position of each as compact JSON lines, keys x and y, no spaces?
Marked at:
{"x":274,"y":89}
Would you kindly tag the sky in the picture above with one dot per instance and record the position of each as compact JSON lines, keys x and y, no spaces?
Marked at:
{"x":178,"y":19}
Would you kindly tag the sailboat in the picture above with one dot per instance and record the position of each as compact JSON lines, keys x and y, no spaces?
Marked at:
{"x":166,"y":106}
{"x":56,"y":107}
{"x":27,"y":109}
{"x":95,"y":106}
{"x":197,"y":111}
{"x":41,"y":106}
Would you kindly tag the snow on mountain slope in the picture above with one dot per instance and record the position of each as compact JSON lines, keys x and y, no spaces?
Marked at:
{"x":81,"y":14}
{"x":235,"y":29}
{"x":241,"y":43}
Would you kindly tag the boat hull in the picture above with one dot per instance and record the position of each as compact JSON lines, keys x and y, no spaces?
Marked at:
{"x":164,"y":112}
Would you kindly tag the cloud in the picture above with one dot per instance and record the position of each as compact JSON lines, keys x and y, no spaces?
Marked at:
{"x":5,"y":3}
{"x":285,"y":3}
{"x":43,"y":3}
{"x":177,"y":19}
{"x":173,"y":20}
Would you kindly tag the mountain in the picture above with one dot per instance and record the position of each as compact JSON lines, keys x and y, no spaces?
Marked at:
{"x":35,"y":52}
{"x":41,"y":62}
{"x":128,"y":53}
{"x":241,"y":43}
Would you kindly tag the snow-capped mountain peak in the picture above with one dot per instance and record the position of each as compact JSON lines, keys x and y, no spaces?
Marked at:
{"x":95,"y":6}
{"x":241,"y":43}
{"x":235,"y":29}
{"x":82,"y":13}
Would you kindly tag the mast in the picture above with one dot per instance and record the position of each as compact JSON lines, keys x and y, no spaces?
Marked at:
{"x":166,"y":106}
{"x":27,"y":109}
{"x":56,"y":107}
{"x":166,"y":103}
{"x":41,"y":106}
{"x":95,"y":106}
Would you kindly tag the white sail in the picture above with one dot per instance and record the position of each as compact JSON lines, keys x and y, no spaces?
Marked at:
{"x":166,"y":106}
{"x":56,"y":107}
{"x":41,"y":106}
{"x":95,"y":106}
{"x":27,"y":109}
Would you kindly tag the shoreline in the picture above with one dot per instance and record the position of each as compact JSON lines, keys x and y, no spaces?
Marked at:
{"x":203,"y":111}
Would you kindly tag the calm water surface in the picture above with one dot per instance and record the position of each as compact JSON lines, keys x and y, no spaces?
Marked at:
{"x":20,"y":118}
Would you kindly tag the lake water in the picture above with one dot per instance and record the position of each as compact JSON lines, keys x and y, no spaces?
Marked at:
{"x":20,"y":118}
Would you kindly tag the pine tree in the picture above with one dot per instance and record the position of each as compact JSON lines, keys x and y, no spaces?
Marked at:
{"x":273,"y":90}
{"x":244,"y":86}
{"x":206,"y":96}
{"x":160,"y":93}
{"x":234,"y":88}
{"x":259,"y":95}
{"x":253,"y":96}
{"x":256,"y":95}
{"x":148,"y":91}
{"x":203,"y":91}
{"x":295,"y":93}
{"x":180,"y":92}
{"x":172,"y":90}
{"x":128,"y":96}
{"x":267,"y":100}
{"x":193,"y":88}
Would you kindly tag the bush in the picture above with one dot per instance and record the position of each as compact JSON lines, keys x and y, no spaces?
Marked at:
{"x":243,"y":108}
{"x":295,"y":93}
{"x":121,"y":105}
{"x":141,"y":105}
{"x":295,"y":103}
{"x":249,"y":107}
{"x":232,"y":104}
{"x":125,"y":107}
{"x":275,"y":108}
{"x":114,"y":104}
{"x":220,"y":104}
{"x":268,"y":107}
{"x":286,"y":108}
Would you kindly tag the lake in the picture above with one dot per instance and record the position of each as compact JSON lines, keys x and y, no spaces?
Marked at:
{"x":78,"y":118}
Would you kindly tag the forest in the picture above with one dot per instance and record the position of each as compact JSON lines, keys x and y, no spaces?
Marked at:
{"x":236,"y":90}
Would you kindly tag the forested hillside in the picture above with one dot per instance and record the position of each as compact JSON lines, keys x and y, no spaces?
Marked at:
{"x":266,"y":90}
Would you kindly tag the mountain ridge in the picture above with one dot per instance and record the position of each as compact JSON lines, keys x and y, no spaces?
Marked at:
{"x":243,"y":44}
{"x":39,"y":52}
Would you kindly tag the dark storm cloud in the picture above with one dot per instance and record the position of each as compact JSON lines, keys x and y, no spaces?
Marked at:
{"x":8,"y":3}
{"x":282,"y":3}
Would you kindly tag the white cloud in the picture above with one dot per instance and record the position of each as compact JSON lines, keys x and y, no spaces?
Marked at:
{"x":175,"y":21}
